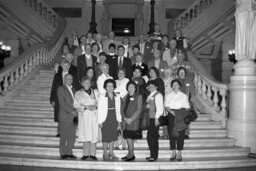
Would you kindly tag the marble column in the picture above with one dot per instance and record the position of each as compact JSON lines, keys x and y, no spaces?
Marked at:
{"x":105,"y":20}
{"x":152,"y":17}
{"x":93,"y":24}
{"x":241,"y":123}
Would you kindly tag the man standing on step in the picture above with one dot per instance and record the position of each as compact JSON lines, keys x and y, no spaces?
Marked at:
{"x":67,"y":113}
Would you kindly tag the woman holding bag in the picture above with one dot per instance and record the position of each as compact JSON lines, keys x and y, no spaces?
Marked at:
{"x":176,"y":104}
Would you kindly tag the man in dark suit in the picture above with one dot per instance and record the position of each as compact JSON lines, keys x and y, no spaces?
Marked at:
{"x":121,"y":62}
{"x":57,"y":82}
{"x":158,"y":62}
{"x":80,"y":50}
{"x":84,"y":61}
{"x":66,"y":115}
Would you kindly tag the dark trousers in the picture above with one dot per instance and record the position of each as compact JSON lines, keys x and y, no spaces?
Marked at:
{"x":152,"y":138}
{"x":175,"y":142}
{"x":67,"y":137}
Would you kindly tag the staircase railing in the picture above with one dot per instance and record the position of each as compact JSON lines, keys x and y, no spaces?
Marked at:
{"x":37,"y":55}
{"x":211,"y":93}
{"x":40,"y":7}
{"x":192,"y":12}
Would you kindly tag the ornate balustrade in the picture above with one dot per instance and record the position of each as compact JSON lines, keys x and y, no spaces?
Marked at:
{"x":192,"y":12}
{"x":212,"y":93}
{"x":42,"y":9}
{"x":37,"y":55}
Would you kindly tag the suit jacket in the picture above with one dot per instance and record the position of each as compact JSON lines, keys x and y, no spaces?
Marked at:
{"x":66,"y":109}
{"x":114,"y":67}
{"x":162,"y":66}
{"x":82,"y":65}
{"x":77,"y":52}
{"x":58,"y":82}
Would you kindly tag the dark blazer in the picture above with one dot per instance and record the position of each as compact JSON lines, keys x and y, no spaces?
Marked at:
{"x":57,"y":82}
{"x":143,"y":67}
{"x":162,"y":66}
{"x":132,"y":110}
{"x":81,"y":66}
{"x":113,"y":67}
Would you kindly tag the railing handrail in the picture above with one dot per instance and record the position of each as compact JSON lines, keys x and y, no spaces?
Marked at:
{"x":27,"y":53}
{"x":200,"y":69}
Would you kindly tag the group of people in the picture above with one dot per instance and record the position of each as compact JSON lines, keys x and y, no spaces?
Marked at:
{"x":109,"y":85}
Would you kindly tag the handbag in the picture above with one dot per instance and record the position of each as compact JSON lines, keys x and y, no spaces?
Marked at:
{"x":75,"y":120}
{"x":192,"y":115}
{"x":163,"y":120}
{"x":144,"y":120}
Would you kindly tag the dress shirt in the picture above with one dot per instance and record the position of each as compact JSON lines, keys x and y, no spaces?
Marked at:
{"x":70,"y":90}
{"x":83,"y":49}
{"x":126,"y":49}
{"x":159,"y":102}
{"x":120,"y":61}
{"x":177,"y":100}
{"x":157,"y":63}
{"x":63,"y":75}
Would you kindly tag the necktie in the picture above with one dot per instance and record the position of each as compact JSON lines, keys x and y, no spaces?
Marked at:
{"x":120,"y":62}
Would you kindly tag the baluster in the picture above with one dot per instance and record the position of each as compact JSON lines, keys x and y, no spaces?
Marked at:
{"x":30,"y":64}
{"x":199,"y":88}
{"x":223,"y":103}
{"x":209,"y":94}
{"x":11,"y":81}
{"x":181,"y":22}
{"x":26,"y":69}
{"x":6,"y":84}
{"x":34,"y":60}
{"x":191,"y":16}
{"x":195,"y":81}
{"x":215,"y":99}
{"x":204,"y":90}
{"x":17,"y":75}
{"x":195,"y":11}
{"x":21,"y":72}
{"x":38,"y":57}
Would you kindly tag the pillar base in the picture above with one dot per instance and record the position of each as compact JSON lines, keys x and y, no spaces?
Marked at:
{"x":241,"y":124}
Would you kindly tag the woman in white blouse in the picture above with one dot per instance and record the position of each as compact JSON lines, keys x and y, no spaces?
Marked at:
{"x":85,"y":103}
{"x":176,"y":104}
{"x":121,"y":83}
{"x":104,"y":76}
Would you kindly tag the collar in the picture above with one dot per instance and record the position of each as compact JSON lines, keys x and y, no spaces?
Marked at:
{"x":139,"y":64}
{"x":88,"y":56}
{"x":111,"y":54}
{"x":106,"y":95}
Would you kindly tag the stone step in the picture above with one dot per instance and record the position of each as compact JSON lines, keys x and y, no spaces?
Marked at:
{"x":27,"y":107}
{"x":36,"y":90}
{"x":35,"y":97}
{"x":142,"y":143}
{"x":32,"y":88}
{"x":51,"y":131}
{"x":47,"y":106}
{"x":39,"y":84}
{"x":25,"y":112}
{"x":161,"y":164}
{"x":22,"y":100}
{"x":140,"y":154}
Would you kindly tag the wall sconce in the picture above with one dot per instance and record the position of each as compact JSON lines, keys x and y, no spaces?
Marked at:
{"x":5,"y":52}
{"x":232,"y":56}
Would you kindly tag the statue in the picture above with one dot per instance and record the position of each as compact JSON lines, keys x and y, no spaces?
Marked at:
{"x":104,"y":22}
{"x":245,"y":29}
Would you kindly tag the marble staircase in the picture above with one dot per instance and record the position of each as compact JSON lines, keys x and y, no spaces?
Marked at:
{"x":27,"y":138}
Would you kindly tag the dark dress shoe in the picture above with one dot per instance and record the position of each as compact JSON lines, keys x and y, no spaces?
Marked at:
{"x":93,"y":157}
{"x":63,"y":157}
{"x":57,"y":135}
{"x":72,"y":156}
{"x":173,"y":158}
{"x":152,"y":159}
{"x":147,"y":158}
{"x":186,"y":137}
{"x":130,"y":159}
{"x":124,"y":158}
{"x":84,"y":157}
{"x":179,"y":159}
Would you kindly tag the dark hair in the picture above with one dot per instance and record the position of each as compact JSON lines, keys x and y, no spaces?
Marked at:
{"x":136,"y":46}
{"x":131,"y":83}
{"x":109,"y":81}
{"x":112,"y":45}
{"x":98,"y":46}
{"x":139,"y":54}
{"x":81,"y":38}
{"x":65,"y":44}
{"x":138,"y":68}
{"x":153,"y":82}
{"x":122,"y":69}
{"x":155,"y":70}
{"x":87,"y":69}
{"x":165,"y":35}
{"x":177,"y":81}
{"x":102,"y":54}
{"x":120,"y":46}
{"x":181,"y":68}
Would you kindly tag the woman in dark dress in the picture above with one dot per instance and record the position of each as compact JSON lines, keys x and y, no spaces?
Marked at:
{"x":131,"y":110}
{"x":109,"y":118}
